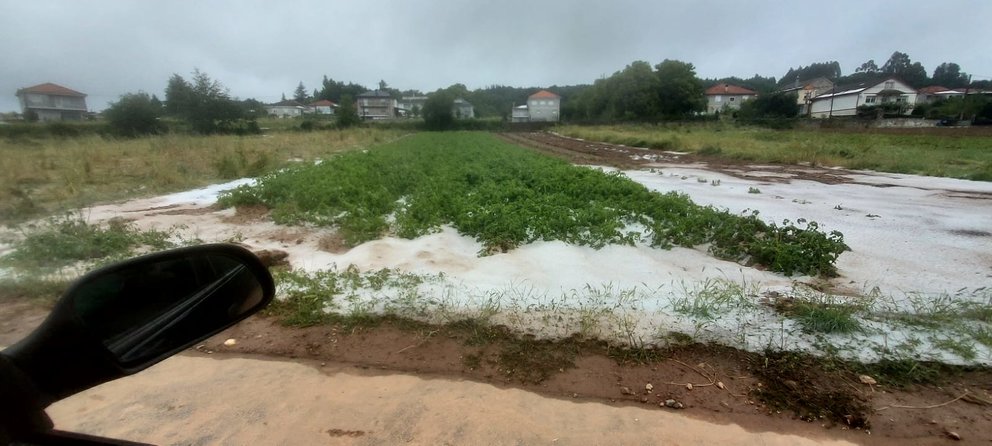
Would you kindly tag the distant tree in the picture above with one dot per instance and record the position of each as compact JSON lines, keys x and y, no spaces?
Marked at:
{"x":300,"y":94}
{"x":31,"y":116}
{"x":206,"y":105}
{"x":415,"y":111}
{"x":334,"y":90}
{"x":346,"y":115}
{"x":948,"y":74}
{"x":437,"y":111}
{"x":901,"y":66}
{"x":829,"y":70}
{"x":383,"y":85}
{"x":773,"y":109}
{"x":134,"y":114}
{"x":868,"y":67}
{"x":158,"y":104}
{"x":178,"y":96}
{"x":254,"y":108}
{"x":680,"y":92}
{"x":757,"y":83}
{"x":633,"y":93}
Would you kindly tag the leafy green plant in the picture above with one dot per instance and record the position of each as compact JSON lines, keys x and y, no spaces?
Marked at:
{"x":506,"y":196}
{"x":64,"y":240}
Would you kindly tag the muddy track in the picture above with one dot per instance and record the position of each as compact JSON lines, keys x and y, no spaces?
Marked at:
{"x":625,"y":157}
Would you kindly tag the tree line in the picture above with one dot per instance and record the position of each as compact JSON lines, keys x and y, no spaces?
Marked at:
{"x":638,"y":92}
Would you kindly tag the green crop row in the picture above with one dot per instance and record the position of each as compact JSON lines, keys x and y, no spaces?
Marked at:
{"x":506,"y":196}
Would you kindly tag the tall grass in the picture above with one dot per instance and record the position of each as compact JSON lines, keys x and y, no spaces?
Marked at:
{"x":967,"y":157}
{"x":41,"y":176}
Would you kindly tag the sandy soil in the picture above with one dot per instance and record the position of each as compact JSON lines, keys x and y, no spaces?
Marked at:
{"x":250,"y":401}
{"x":390,"y":385}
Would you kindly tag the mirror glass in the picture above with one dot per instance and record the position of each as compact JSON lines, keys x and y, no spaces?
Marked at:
{"x":144,"y":310}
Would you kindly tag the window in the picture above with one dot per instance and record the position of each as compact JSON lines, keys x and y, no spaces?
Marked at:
{"x":718,"y":98}
{"x":890,"y":85}
{"x":732,"y":99}
{"x":870,"y":100}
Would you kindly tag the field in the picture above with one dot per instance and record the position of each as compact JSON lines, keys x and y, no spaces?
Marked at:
{"x":529,"y":262}
{"x":45,"y":175}
{"x":505,"y":196}
{"x":933,"y":152}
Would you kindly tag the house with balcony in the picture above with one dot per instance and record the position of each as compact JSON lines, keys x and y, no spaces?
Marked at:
{"x":51,"y":102}
{"x":724,"y":97}
{"x":376,"y":105}
{"x":844,"y":100}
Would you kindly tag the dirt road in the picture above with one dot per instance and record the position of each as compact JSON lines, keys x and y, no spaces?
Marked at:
{"x":232,"y":400}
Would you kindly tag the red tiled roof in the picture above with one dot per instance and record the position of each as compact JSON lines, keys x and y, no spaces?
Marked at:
{"x":53,"y":89}
{"x":728,"y":89}
{"x":544,"y":94}
{"x":933,"y":89}
{"x":323,"y":103}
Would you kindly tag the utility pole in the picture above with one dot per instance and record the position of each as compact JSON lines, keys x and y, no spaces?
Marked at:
{"x":964,"y":100}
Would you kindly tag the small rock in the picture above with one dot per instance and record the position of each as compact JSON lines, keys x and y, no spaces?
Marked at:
{"x":230,"y":342}
{"x":688,"y":386}
{"x":791,"y":384}
{"x":865,"y":379}
{"x":672,"y":404}
{"x":953,"y":436}
{"x":649,"y":387}
{"x":626,"y":391}
{"x":720,"y":385}
{"x":644,"y":399}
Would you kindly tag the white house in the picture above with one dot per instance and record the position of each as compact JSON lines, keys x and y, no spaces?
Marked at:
{"x":51,"y":102}
{"x":807,"y":90}
{"x":411,"y":105}
{"x":462,"y":109}
{"x":543,"y":106}
{"x":285,"y":109}
{"x":519,"y":114}
{"x":722,"y":97}
{"x":845,"y":100}
{"x":375,"y":105}
{"x":323,"y":107}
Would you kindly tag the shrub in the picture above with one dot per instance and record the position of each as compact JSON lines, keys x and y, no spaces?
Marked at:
{"x":135,"y":114}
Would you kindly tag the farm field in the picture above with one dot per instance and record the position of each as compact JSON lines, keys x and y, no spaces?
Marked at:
{"x":640,"y":250}
{"x":942,"y":152}
{"x":45,"y":175}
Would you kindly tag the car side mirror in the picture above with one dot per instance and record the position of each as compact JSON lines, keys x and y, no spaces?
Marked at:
{"x":125,"y":317}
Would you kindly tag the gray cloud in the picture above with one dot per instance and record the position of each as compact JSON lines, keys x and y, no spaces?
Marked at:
{"x":262,"y":49}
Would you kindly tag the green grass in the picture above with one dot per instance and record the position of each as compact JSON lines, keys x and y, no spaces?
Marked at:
{"x":934,"y":154}
{"x":66,"y":240}
{"x":506,"y":196}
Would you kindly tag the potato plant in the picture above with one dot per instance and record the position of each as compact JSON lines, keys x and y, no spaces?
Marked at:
{"x":506,"y":196}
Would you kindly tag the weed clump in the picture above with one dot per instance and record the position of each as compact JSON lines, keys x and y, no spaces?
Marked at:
{"x":65,"y":240}
{"x":791,"y":382}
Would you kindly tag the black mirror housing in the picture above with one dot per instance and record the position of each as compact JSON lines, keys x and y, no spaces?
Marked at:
{"x":126,"y":317}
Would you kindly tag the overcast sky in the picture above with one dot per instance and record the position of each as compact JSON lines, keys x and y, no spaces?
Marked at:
{"x":262,"y":49}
